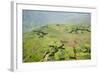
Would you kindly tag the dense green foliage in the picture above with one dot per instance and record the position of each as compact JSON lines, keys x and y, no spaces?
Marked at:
{"x":56,"y":42}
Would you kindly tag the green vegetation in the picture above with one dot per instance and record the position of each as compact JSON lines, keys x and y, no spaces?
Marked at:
{"x":57,"y":42}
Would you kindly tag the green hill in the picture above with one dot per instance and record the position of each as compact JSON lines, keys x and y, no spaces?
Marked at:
{"x":56,"y":42}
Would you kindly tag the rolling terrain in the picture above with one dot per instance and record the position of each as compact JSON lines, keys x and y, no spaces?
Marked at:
{"x":57,"y":42}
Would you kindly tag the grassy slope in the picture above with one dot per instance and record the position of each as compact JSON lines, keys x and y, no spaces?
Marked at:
{"x":35,"y":46}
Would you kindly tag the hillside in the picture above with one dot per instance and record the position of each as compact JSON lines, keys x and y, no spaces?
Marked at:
{"x":56,"y":42}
